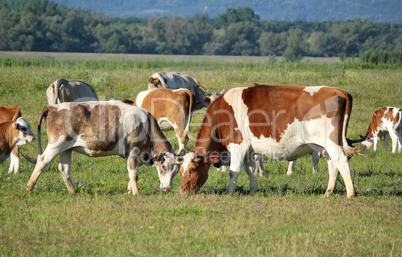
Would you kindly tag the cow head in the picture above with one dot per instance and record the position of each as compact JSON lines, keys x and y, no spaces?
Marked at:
{"x":168,"y":165}
{"x":194,"y":170}
{"x":24,"y":132}
{"x":212,"y":96}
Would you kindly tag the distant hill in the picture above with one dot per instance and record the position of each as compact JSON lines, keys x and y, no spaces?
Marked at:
{"x":384,"y":11}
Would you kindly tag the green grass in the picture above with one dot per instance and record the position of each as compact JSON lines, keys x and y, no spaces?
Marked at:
{"x":288,"y":217}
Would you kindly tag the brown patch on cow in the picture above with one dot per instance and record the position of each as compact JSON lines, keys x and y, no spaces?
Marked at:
{"x":175,"y":105}
{"x":271,"y":120}
{"x":8,"y":113}
{"x":219,"y":128}
{"x":126,"y":101}
{"x":98,"y":126}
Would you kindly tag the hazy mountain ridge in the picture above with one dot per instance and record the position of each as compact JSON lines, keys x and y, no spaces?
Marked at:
{"x":278,"y":10}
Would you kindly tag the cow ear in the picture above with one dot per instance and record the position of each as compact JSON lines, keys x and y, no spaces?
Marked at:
{"x":16,"y":125}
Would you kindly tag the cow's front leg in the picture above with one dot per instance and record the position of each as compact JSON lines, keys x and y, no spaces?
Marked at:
{"x":14,"y":161}
{"x":249,"y":166}
{"x":65,"y":170}
{"x":132,"y":167}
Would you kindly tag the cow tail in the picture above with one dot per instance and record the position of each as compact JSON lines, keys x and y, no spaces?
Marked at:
{"x":42,"y":115}
{"x":349,"y":149}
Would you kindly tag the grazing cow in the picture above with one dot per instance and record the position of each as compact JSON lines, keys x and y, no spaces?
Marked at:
{"x":386,"y":121}
{"x":176,"y":80}
{"x":280,"y":122}
{"x":104,"y":129}
{"x":63,"y":90}
{"x":171,"y":108}
{"x":13,"y":133}
{"x":10,"y":113}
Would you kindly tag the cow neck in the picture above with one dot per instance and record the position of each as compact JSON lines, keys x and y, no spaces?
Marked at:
{"x":162,"y":144}
{"x":6,"y":136}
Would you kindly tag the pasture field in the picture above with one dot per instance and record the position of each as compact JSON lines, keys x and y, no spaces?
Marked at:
{"x":288,"y":217}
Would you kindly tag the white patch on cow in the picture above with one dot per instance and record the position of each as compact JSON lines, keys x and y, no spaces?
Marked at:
{"x":165,"y":124}
{"x":313,"y":89}
{"x":187,"y":159}
{"x":140,"y":97}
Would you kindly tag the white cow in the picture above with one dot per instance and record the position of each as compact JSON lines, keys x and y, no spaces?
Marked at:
{"x":63,"y":90}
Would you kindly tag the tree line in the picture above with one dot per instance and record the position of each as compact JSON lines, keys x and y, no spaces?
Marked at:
{"x":42,"y":25}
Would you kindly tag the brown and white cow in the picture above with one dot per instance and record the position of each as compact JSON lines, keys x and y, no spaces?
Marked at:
{"x":280,"y":122}
{"x":13,"y":133}
{"x":386,"y":121}
{"x":176,"y":80}
{"x":63,"y":90}
{"x":171,"y":108}
{"x":10,"y":113}
{"x":103,"y":129}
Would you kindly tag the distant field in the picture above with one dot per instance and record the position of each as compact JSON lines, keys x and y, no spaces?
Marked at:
{"x":156,"y":57}
{"x":288,"y":217}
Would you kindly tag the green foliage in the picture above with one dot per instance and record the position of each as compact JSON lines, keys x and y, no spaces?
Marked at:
{"x":40,"y":25}
{"x":379,"y":56}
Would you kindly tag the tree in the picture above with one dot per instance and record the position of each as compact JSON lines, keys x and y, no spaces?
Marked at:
{"x":237,"y":14}
{"x":272,"y":43}
{"x":294,"y":50}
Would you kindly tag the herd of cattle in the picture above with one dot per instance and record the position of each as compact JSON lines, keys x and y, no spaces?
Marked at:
{"x":240,"y":126}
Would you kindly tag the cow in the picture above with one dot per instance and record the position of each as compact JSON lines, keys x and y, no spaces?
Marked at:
{"x":385,"y":122}
{"x":280,"y":122}
{"x":176,"y":80}
{"x":10,"y":113}
{"x":63,"y":90}
{"x":12,"y":134}
{"x":105,"y":128}
{"x":171,"y":108}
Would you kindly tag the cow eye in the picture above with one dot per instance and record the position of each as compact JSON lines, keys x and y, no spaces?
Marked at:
{"x":193,"y":170}
{"x":23,"y":129}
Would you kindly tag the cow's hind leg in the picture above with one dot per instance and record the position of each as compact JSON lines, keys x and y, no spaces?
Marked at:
{"x":132,"y":167}
{"x":291,"y":167}
{"x":386,"y":141}
{"x":394,"y":140}
{"x":14,"y":160}
{"x":341,"y":165}
{"x":65,"y":170}
{"x":333,"y":174}
{"x":43,"y":160}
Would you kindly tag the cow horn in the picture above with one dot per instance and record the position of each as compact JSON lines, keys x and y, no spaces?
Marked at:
{"x":354,"y":141}
{"x":224,"y":88}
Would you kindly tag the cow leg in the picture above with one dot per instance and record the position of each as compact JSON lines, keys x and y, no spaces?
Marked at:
{"x":291,"y":167}
{"x":344,"y":169}
{"x":249,"y":166}
{"x":183,"y":139}
{"x":386,"y":141}
{"x":43,"y":160}
{"x":375,"y":143}
{"x":132,"y":167}
{"x":399,"y":141}
{"x":315,"y":158}
{"x":259,"y":165}
{"x":333,"y":174}
{"x":65,"y":170}
{"x":394,"y":140}
{"x":236,"y":160}
{"x":14,"y":161}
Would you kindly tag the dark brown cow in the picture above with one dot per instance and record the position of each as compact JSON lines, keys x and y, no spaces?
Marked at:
{"x":104,"y":129}
{"x":171,"y":108}
{"x":280,"y":122}
{"x":385,"y":122}
{"x":10,"y":113}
